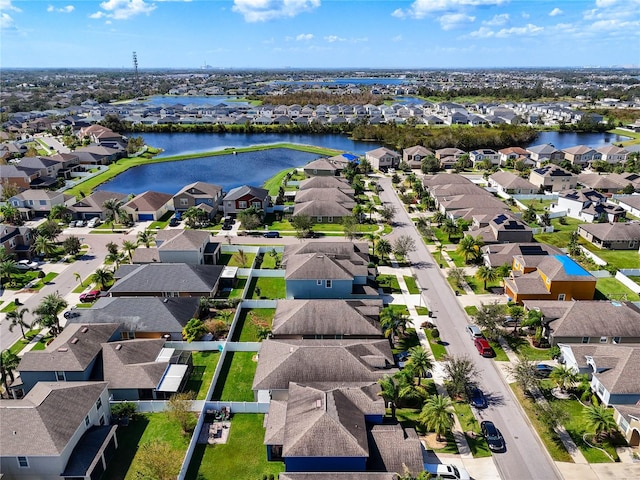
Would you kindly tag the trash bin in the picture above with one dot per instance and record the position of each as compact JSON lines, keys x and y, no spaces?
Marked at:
{"x":17,"y":301}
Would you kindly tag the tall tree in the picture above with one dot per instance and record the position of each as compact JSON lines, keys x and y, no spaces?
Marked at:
{"x":486,"y":274}
{"x":129,"y":246}
{"x":563,"y":377}
{"x":302,"y":224}
{"x":450,"y":228}
{"x":600,"y":419}
{"x":43,"y":246}
{"x":114,"y":211}
{"x":437,"y":415}
{"x":71,"y":245}
{"x":8,"y":268}
{"x":524,"y":373}
{"x":390,"y":391}
{"x":403,"y":245}
{"x":460,"y":374}
{"x":47,"y":312}
{"x":145,"y":237}
{"x":9,"y":361}
{"x":179,"y":410}
{"x":59,"y":212}
{"x":469,"y":247}
{"x":420,"y":362}
{"x":387,"y":212}
{"x":16,"y":317}
{"x":157,"y":460}
{"x":101,"y":278}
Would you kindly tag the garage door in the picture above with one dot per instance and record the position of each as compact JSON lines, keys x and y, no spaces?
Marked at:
{"x":143,"y":217}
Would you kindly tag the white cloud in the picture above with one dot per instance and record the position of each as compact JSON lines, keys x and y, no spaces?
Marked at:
{"x":265,"y":10}
{"x":605,"y":3}
{"x":455,"y":20}
{"x":334,"y":38}
{"x":6,"y":5}
{"x":66,"y":9}
{"x":123,"y":9}
{"x":6,"y":22}
{"x":397,"y":38}
{"x":423,"y":8}
{"x":527,"y":30}
{"x":525,"y":15}
{"x":483,"y":32}
{"x":555,"y":12}
{"x":303,"y":37}
{"x":497,"y":20}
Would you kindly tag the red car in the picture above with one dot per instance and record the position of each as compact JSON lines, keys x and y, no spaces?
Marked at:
{"x":483,"y":347}
{"x":90,"y":296}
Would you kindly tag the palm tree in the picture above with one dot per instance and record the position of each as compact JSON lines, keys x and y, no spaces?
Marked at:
{"x":115,"y":258}
{"x":438,"y":217}
{"x":78,"y":278}
{"x":486,"y":274}
{"x":383,"y":248}
{"x":241,"y":258}
{"x":11,"y":214}
{"x":129,"y":246}
{"x":503,"y":271}
{"x":43,"y":246}
{"x":102,"y":277}
{"x":145,"y":237}
{"x":9,"y":361}
{"x":390,"y":391}
{"x":563,"y":377}
{"x":600,"y":419}
{"x":469,"y":247}
{"x":370,"y":208}
{"x":450,"y":228}
{"x":59,"y":212}
{"x":113,"y":211}
{"x":8,"y":268}
{"x":358,"y":211}
{"x":436,"y":415}
{"x":420,"y":362}
{"x":47,"y":312}
{"x":16,"y":317}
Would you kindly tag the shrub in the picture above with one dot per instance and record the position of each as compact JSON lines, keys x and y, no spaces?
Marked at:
{"x":124,"y":409}
{"x":435,"y":333}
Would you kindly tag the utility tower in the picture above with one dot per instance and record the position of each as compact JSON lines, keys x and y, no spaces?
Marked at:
{"x":136,"y":77}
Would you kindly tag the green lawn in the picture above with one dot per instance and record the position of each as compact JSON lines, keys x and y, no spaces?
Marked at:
{"x":83,"y":285}
{"x":269,"y":260}
{"x":478,"y":285}
{"x":204,"y":366}
{"x":412,"y":286}
{"x":618,"y":258}
{"x":455,"y":287}
{"x":549,"y":437}
{"x":232,"y":259}
{"x":501,"y":356}
{"x":246,"y":330}
{"x":43,"y":281}
{"x":438,"y":349}
{"x":468,"y":422}
{"x":422,"y":310}
{"x":523,"y":348}
{"x":162,"y":223}
{"x":457,"y":258}
{"x":389,"y":283}
{"x":610,"y":288}
{"x":266,"y":287}
{"x":274,"y":183}
{"x":21,"y":343}
{"x":471,"y":310}
{"x":243,"y":457}
{"x":561,"y":234}
{"x":236,"y":377}
{"x":401,"y":309}
{"x":144,"y":428}
{"x":408,"y":417}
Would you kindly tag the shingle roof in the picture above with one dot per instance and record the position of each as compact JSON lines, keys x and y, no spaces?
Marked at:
{"x":337,"y":260}
{"x":132,"y":363}
{"x":393,"y":447}
{"x":327,"y":317}
{"x":72,"y":351}
{"x":509,"y":180}
{"x":94,"y":201}
{"x":321,"y":208}
{"x":148,"y":201}
{"x":168,"y":277}
{"x":201,"y":189}
{"x":330,"y":193}
{"x":47,"y":418}
{"x":321,"y":164}
{"x":181,"y":240}
{"x":243,"y":190}
{"x":618,"y":232}
{"x":336,"y":361}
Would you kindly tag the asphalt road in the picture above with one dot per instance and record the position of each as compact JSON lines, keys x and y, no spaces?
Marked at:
{"x":525,"y":456}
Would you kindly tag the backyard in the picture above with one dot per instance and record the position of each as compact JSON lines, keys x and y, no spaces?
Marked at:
{"x":204,"y":366}
{"x":246,"y":329}
{"x":236,"y":377}
{"x":267,"y":288}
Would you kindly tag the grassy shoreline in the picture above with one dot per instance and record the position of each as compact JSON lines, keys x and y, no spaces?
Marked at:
{"x":124,"y":164}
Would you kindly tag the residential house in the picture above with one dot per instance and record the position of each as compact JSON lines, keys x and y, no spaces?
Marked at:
{"x":413,"y":156}
{"x":241,"y":198}
{"x":327,"y":319}
{"x":198,"y":193}
{"x":613,"y":154}
{"x":587,"y":205}
{"x":148,"y":206}
{"x":501,"y":227}
{"x":512,"y":155}
{"x":47,"y":167}
{"x":38,"y":203}
{"x":319,"y":361}
{"x":321,"y":167}
{"x":327,"y":182}
{"x":478,"y":157}
{"x":496,"y":255}
{"x":627,"y":178}
{"x":553,"y":178}
{"x":193,"y":247}
{"x":448,"y":157}
{"x":68,"y":163}
{"x":628,"y":419}
{"x":24,"y":177}
{"x":141,"y":317}
{"x":542,"y":154}
{"x":511,"y":184}
{"x":383,"y":158}
{"x":581,"y":155}
{"x":17,"y":241}
{"x":601,"y":183}
{"x":144,"y":369}
{"x":552,"y":277}
{"x":58,"y":430}
{"x":322,"y":211}
{"x":631,"y":203}
{"x":612,"y":369}
{"x":166,"y":280}
{"x":592,"y":322}
{"x":92,"y":205}
{"x":328,"y":270}
{"x":99,"y":154}
{"x":73,"y":356}
{"x":612,"y":236}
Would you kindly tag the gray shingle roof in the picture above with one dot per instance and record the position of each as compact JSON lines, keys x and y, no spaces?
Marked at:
{"x":392,"y":448}
{"x":148,"y":201}
{"x":613,"y":232}
{"x":593,"y":318}
{"x":132,"y":363}
{"x":322,"y":208}
{"x":243,"y":190}
{"x":155,"y":278}
{"x":341,"y":259}
{"x":46,"y":419}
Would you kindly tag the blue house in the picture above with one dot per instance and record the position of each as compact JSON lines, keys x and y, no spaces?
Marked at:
{"x":329,"y":270}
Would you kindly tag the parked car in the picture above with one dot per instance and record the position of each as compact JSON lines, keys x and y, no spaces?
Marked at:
{"x":91,"y":296}
{"x":227,"y":226}
{"x":94,"y":222}
{"x":27,"y":265}
{"x":81,"y":223}
{"x":543,"y":370}
{"x":442,"y":470}
{"x":271,"y":235}
{"x":174,"y":222}
{"x":477,"y":398}
{"x":492,"y":435}
{"x":510,"y":322}
{"x":474,"y":331}
{"x":401,"y":358}
{"x":229,"y":220}
{"x":483,"y":347}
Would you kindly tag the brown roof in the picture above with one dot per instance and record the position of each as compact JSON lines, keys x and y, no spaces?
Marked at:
{"x":132,"y":363}
{"x":148,"y":201}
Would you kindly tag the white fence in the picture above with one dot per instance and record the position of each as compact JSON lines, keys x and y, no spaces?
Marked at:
{"x":600,"y":273}
{"x":627,"y":282}
{"x":536,"y":196}
{"x":596,"y":259}
{"x":259,"y":303}
{"x":538,"y":230}
{"x":634,"y":272}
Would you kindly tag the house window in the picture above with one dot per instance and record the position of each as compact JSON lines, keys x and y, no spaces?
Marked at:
{"x":585,"y":339}
{"x":603,"y":339}
{"x":328,"y":283}
{"x":256,"y":203}
{"x":43,"y":202}
{"x":124,"y":335}
{"x":561,"y":297}
{"x":318,"y":282}
{"x":319,"y":219}
{"x":86,"y":420}
{"x":329,"y":219}
{"x":184,"y":202}
{"x":99,"y":403}
{"x":617,"y":339}
{"x":315,"y":171}
{"x":60,"y":377}
{"x":242,"y":204}
{"x":23,"y":462}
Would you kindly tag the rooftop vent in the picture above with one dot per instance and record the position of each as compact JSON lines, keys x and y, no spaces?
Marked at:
{"x":63,"y":349}
{"x":118,"y":347}
{"x":74,"y":340}
{"x":318,"y":403}
{"x":84,"y":329}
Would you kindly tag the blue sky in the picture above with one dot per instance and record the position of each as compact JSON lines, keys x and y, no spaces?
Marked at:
{"x":319,"y":33}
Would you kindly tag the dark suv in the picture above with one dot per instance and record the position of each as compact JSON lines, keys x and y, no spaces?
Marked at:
{"x":493,"y":436}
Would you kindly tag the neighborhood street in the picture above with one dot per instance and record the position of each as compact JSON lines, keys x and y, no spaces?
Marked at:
{"x":525,"y":456}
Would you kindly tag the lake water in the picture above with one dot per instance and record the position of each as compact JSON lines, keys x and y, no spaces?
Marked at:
{"x":562,"y":140}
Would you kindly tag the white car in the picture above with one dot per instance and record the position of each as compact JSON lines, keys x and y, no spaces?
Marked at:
{"x":27,"y":265}
{"x":93,"y":223}
{"x":441,"y":470}
{"x":474,"y":332}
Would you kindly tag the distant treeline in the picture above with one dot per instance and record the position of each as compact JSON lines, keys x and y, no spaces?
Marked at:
{"x":322,"y":98}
